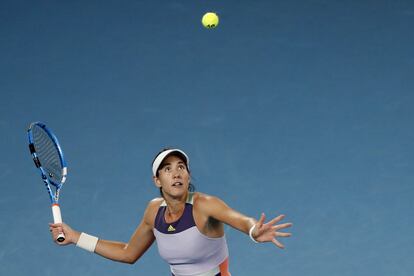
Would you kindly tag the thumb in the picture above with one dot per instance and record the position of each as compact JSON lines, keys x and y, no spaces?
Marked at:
{"x":261,"y":220}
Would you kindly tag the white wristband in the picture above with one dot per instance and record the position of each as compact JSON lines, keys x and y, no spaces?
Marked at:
{"x":87,"y":242}
{"x":251,"y":233}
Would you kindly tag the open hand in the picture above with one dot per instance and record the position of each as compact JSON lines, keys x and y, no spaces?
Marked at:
{"x":269,"y":232}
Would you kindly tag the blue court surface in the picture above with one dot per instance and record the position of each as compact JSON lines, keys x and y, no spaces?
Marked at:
{"x":302,"y":108}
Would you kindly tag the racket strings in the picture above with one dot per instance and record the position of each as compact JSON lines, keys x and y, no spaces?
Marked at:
{"x":48,"y":155}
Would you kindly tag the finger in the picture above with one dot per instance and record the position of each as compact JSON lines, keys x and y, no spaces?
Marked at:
{"x":282,"y":234}
{"x":276,"y":219}
{"x":58,"y":229}
{"x":55,"y":224}
{"x":282,"y":226}
{"x":278,"y":244}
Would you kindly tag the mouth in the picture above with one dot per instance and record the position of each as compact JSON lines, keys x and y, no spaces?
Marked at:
{"x":177,"y":184}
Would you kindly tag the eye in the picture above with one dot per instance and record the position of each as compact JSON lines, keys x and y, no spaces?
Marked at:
{"x":167,"y":169}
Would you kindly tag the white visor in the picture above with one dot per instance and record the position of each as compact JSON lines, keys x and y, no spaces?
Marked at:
{"x":158,"y":160}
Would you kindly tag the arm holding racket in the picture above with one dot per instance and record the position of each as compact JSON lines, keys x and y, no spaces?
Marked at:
{"x":130,"y":252}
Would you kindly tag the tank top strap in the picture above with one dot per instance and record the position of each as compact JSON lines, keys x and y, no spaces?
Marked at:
{"x":190,"y":198}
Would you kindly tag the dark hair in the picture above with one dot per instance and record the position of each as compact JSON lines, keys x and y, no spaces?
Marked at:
{"x":178,"y":154}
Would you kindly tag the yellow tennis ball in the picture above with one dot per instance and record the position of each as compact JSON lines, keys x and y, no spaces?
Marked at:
{"x":210,"y":20}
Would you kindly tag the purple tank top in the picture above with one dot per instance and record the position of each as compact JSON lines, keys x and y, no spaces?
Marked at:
{"x":184,"y":247}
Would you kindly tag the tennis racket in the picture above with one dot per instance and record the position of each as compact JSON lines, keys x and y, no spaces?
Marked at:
{"x":48,"y":158}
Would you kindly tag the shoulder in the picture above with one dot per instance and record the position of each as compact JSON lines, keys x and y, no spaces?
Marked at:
{"x":202,"y":198}
{"x":154,"y":204}
{"x":152,"y":209}
{"x":207,"y":203}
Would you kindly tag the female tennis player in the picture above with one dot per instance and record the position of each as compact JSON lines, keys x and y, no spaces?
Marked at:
{"x":188,"y":226}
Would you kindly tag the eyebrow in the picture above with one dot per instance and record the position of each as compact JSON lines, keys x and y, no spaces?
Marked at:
{"x":169,"y":164}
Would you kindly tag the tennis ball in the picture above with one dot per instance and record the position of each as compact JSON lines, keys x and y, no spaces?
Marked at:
{"x":210,"y":20}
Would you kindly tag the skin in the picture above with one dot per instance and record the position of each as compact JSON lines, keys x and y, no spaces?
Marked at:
{"x":210,"y":214}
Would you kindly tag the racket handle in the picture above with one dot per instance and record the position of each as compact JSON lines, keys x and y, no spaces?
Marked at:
{"x":57,"y":218}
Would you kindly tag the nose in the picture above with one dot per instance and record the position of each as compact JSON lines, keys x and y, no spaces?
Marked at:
{"x":176,"y":173}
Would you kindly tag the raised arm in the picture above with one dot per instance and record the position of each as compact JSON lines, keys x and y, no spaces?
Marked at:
{"x":258,"y":230}
{"x":130,"y":252}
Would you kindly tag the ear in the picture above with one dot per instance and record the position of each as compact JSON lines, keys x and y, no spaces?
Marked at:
{"x":157,"y":181}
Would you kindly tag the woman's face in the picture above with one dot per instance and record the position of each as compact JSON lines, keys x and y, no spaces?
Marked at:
{"x":173,"y":177}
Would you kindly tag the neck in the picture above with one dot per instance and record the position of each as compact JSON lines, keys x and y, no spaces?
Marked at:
{"x":175,"y":206}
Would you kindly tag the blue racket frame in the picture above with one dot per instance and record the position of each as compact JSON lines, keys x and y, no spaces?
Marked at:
{"x":54,"y":197}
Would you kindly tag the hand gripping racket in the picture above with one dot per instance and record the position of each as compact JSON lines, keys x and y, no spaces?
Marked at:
{"x":48,"y":158}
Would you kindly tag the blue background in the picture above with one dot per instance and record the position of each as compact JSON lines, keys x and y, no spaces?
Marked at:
{"x":297,"y":107}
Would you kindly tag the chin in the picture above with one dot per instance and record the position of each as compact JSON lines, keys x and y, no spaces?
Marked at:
{"x":178,"y":193}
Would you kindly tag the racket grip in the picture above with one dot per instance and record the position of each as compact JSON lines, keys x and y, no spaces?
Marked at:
{"x":57,"y":218}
